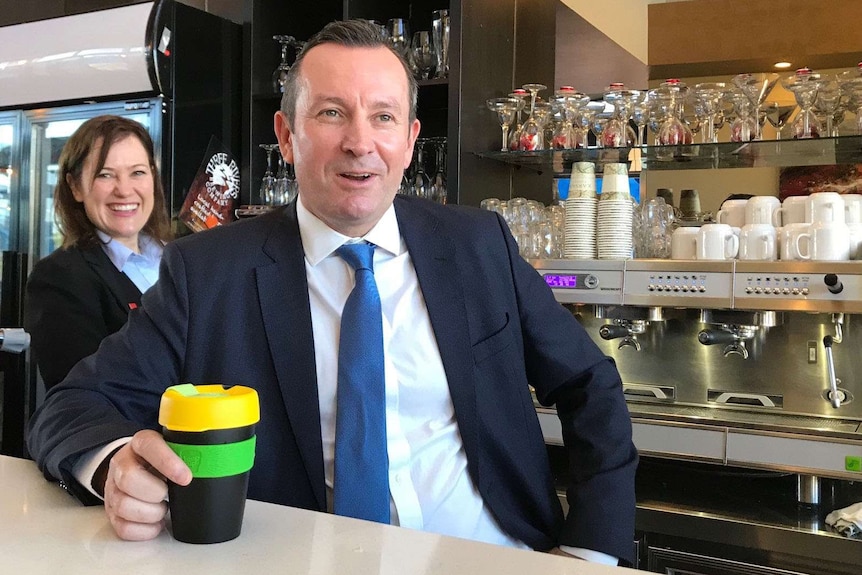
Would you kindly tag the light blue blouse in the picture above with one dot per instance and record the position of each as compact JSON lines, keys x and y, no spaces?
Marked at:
{"x":142,"y":268}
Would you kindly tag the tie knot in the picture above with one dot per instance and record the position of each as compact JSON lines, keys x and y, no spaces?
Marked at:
{"x":359,"y":255}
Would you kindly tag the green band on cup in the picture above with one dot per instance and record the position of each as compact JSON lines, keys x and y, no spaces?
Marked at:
{"x":208,"y":461}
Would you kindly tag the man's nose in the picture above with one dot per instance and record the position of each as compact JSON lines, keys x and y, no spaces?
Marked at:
{"x":358,"y":138}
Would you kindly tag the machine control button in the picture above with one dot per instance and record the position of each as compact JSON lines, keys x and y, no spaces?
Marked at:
{"x":833,"y":284}
{"x":702,"y":289}
{"x":776,"y":290}
{"x":786,"y":291}
{"x":591,"y":281}
{"x":748,"y":289}
{"x":804,"y":291}
{"x":758,"y":290}
{"x":795,"y":291}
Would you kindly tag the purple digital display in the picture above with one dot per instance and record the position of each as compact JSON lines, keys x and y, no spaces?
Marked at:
{"x":561,"y":280}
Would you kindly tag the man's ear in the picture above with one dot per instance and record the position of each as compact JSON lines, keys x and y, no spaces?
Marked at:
{"x":284,"y":135}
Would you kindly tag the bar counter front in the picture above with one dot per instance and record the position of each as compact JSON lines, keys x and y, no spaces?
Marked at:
{"x":43,"y":531}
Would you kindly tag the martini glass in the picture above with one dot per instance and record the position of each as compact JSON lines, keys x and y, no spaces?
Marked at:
{"x":851,"y":87}
{"x":777,"y":115}
{"x":421,"y":182}
{"x":756,"y":87}
{"x":618,"y":133}
{"x":279,"y":76}
{"x":804,"y":84}
{"x":673,"y":131}
{"x":267,"y":183}
{"x":515,"y":134}
{"x":640,"y":116}
{"x":708,"y":95}
{"x":827,"y":103}
{"x":505,"y":109}
{"x":571,"y":102}
{"x":743,"y":128}
{"x":532,"y":132}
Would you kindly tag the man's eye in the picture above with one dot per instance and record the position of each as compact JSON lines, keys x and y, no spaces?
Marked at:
{"x":385,"y":118}
{"x":331,"y":113}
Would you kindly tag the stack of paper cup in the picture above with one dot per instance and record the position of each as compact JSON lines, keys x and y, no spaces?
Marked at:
{"x":614,"y":214}
{"x":581,"y":213}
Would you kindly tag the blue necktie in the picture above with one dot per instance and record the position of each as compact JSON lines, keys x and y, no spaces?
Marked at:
{"x":361,"y":483}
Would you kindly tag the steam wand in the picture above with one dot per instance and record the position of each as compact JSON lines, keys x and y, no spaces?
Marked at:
{"x":835,"y":395}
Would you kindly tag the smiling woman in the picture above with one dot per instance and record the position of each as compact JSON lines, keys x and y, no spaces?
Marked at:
{"x":110,"y":208}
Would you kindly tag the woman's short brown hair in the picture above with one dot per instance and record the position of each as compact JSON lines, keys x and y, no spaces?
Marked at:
{"x":102,"y":132}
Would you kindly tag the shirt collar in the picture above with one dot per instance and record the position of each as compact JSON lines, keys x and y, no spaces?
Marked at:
{"x":319,"y":240}
{"x":120,"y":254}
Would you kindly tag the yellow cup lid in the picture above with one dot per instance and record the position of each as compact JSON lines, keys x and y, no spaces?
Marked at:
{"x":188,"y":407}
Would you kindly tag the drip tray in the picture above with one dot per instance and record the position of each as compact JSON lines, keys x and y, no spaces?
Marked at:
{"x":830,"y":426}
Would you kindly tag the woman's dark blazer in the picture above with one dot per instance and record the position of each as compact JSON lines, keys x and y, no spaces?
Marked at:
{"x":75,"y":298}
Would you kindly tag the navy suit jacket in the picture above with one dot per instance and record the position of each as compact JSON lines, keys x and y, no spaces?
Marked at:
{"x":231,"y":306}
{"x":75,"y":298}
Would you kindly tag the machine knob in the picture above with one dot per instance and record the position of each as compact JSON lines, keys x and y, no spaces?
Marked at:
{"x":833,"y":284}
{"x":591,"y":281}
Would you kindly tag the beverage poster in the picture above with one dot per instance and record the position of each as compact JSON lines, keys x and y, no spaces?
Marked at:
{"x":215,"y":189}
{"x":806,"y":180}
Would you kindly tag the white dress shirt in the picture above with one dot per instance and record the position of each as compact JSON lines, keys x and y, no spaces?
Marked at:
{"x":429,"y":485}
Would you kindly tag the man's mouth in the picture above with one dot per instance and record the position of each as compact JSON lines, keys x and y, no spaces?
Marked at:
{"x":358,"y":176}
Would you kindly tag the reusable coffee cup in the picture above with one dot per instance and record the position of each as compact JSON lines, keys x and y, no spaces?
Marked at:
{"x":211,"y":428}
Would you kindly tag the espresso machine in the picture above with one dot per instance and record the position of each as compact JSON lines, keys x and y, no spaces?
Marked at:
{"x":751,"y":364}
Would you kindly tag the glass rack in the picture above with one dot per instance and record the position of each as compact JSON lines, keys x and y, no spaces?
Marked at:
{"x":769,"y":153}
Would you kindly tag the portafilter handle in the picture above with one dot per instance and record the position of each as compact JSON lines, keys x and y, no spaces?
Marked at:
{"x":611,"y":331}
{"x":836,"y":396}
{"x":716,"y":336}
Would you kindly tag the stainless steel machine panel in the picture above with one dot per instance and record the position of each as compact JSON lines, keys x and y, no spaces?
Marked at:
{"x":799,"y":286}
{"x":584,"y":281}
{"x":678,"y":283}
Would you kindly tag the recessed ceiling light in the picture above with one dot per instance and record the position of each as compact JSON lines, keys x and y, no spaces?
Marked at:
{"x":782,"y":65}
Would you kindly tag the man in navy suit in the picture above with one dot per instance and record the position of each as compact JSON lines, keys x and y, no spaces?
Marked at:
{"x":468,"y":325}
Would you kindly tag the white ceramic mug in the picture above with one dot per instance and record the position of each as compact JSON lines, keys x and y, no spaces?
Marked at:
{"x":828,"y":241}
{"x":683,"y":243}
{"x":855,"y":240}
{"x":759,"y":209}
{"x":852,"y":208}
{"x":788,"y":247}
{"x":792,"y":211}
{"x":825,"y":207}
{"x":757,"y":242}
{"x":732,"y":213}
{"x":716,"y":242}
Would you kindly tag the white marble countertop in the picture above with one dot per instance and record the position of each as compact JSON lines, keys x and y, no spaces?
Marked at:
{"x":43,"y":530}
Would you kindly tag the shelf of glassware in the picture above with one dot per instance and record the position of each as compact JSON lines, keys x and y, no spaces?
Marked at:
{"x":769,"y":153}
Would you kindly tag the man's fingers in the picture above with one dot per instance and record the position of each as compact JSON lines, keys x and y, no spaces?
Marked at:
{"x":151,"y":447}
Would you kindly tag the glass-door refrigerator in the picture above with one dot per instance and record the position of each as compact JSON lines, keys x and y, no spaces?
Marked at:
{"x":167,"y":65}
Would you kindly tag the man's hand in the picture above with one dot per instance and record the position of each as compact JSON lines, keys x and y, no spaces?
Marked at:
{"x":136,"y":486}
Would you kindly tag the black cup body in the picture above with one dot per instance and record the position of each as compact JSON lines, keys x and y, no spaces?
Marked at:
{"x":209,"y":509}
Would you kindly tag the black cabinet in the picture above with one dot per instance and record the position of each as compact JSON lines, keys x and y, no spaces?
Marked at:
{"x":483,"y":43}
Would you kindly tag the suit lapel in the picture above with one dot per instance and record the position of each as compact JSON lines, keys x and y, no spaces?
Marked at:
{"x":123,"y":289}
{"x":434,"y":258}
{"x":286,"y":314}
